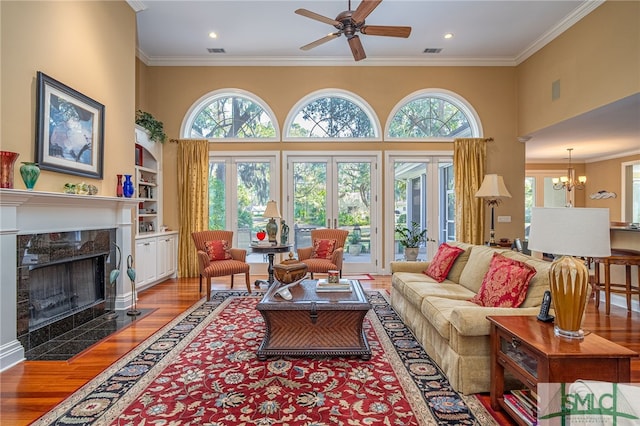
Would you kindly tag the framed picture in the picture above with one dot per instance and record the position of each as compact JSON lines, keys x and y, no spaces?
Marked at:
{"x":70,"y":130}
{"x":139,"y":152}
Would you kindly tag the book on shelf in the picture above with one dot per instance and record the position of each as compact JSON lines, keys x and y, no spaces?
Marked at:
{"x":512,"y":402}
{"x":528,"y":400}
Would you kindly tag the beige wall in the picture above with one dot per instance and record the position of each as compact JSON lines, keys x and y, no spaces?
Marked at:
{"x":90,"y":47}
{"x":607,"y":176}
{"x":490,"y":90}
{"x":597,"y":61}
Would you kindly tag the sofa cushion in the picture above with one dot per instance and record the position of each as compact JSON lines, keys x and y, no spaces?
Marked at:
{"x":442,"y":262}
{"x":461,"y":260}
{"x":505,"y":284}
{"x":477,"y":267}
{"x":539,"y":283}
{"x":323,"y":249}
{"x":416,"y":286}
{"x":217,"y":250}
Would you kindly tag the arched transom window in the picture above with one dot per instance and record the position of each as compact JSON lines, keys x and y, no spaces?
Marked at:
{"x":230,"y":114}
{"x":332,"y":114}
{"x":432,"y":114}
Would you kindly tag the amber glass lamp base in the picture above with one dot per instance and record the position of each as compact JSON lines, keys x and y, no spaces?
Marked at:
{"x":570,"y":290}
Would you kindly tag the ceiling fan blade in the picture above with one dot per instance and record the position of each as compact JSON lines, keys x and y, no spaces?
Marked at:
{"x":356,"y":48}
{"x":320,"y":41}
{"x":317,"y":17}
{"x":384,"y":30}
{"x":363,"y":10}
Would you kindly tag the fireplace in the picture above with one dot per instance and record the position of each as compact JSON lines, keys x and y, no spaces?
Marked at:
{"x":58,"y":221}
{"x":62,"y":278}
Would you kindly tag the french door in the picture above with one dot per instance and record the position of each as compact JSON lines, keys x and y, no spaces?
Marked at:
{"x":421,"y":191}
{"x":325,"y":191}
{"x":239,"y":188}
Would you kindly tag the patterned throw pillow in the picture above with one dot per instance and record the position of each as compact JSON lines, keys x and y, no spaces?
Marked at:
{"x":323,"y":249}
{"x":505,"y":283}
{"x":217,"y":250}
{"x":443,"y":261}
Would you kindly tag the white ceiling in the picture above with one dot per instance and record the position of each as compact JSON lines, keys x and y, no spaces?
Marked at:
{"x":486,"y":33}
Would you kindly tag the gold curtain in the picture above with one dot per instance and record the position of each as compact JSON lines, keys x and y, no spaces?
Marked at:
{"x":468,"y":162}
{"x":193,"y":196}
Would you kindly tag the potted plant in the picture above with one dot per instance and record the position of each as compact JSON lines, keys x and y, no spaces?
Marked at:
{"x":354,"y":243}
{"x":153,"y":126}
{"x":411,"y":238}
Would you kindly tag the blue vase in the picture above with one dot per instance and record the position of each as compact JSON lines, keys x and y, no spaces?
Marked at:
{"x":127,"y":187}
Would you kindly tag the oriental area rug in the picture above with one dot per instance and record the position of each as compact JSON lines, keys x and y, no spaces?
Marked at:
{"x":202,"y":369}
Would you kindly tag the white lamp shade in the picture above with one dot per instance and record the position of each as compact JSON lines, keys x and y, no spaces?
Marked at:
{"x":567,"y":231}
{"x":271,"y":210}
{"x":493,"y":187}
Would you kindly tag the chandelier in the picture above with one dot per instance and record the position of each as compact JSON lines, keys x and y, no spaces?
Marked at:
{"x":569,"y":181}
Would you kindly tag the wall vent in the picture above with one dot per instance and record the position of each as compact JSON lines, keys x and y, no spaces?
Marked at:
{"x":433,"y":50}
{"x":215,"y":50}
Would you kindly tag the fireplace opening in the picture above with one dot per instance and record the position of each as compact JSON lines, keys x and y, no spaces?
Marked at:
{"x":62,"y":281}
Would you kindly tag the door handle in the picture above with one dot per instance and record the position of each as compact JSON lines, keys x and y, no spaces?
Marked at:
{"x":328,"y":223}
{"x":335,"y":223}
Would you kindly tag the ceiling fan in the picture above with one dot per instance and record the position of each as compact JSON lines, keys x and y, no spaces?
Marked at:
{"x":350,"y":23}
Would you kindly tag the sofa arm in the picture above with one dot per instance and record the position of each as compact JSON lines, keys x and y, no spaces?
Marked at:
{"x":238,"y":254}
{"x":203,"y":260}
{"x":304,"y":253}
{"x":415,"y":267}
{"x":472,"y":320}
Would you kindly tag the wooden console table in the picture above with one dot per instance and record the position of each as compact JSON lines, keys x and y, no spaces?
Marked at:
{"x":529,"y":350}
{"x":314,"y":324}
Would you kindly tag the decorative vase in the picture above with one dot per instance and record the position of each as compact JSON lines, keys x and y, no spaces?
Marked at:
{"x":7,"y":160}
{"x":127,"y":187}
{"x":30,"y":173}
{"x":119,"y":191}
{"x":411,"y":253}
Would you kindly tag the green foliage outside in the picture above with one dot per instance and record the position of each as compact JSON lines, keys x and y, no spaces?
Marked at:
{"x":429,"y":117}
{"x":232,"y":117}
{"x":332,"y":117}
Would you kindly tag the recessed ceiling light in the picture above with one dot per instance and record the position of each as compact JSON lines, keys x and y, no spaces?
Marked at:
{"x":213,"y":35}
{"x":448,"y":35}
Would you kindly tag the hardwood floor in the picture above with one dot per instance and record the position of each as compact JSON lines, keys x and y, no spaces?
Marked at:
{"x":32,"y":388}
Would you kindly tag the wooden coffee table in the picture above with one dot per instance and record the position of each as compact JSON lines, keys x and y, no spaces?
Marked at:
{"x":314,"y":324}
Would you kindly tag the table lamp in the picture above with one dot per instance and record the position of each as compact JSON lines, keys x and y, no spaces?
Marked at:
{"x":272,"y":227}
{"x":569,"y":232}
{"x":492,"y":189}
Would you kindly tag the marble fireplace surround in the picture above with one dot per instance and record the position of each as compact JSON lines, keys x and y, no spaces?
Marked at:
{"x":29,"y":212}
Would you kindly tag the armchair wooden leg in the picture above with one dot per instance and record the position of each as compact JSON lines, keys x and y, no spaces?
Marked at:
{"x":200,"y":290}
{"x":208,"y":288}
{"x":231,"y":280}
{"x":248,"y":282}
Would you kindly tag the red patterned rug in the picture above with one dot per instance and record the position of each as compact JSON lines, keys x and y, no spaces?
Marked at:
{"x":202,"y":369}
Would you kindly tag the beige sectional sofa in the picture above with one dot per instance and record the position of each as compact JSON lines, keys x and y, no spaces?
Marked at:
{"x":453,"y":330}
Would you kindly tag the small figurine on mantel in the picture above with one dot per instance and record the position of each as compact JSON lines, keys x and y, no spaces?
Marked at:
{"x":284,"y":233}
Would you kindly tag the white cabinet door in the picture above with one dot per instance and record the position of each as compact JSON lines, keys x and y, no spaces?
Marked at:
{"x":146,"y":260}
{"x":167,"y":260}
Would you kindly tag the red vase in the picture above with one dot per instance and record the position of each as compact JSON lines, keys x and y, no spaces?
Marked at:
{"x":7,"y":160}
{"x":119,"y":186}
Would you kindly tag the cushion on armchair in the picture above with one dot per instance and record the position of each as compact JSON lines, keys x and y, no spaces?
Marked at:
{"x":323,"y":249}
{"x":442,"y":262}
{"x":218,"y":250}
{"x":505,"y":283}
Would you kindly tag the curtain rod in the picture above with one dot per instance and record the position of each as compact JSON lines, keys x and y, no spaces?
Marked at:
{"x":177,"y":140}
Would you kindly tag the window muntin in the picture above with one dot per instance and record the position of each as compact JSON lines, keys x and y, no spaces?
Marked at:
{"x":433,"y":114}
{"x":332,"y":115}
{"x":230,"y":115}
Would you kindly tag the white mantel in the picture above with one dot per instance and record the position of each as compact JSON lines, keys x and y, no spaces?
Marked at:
{"x":29,"y":212}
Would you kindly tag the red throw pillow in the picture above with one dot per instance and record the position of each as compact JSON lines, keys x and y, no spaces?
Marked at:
{"x":217,"y":250}
{"x":505,"y":283}
{"x":323,"y":249}
{"x":443,"y":261}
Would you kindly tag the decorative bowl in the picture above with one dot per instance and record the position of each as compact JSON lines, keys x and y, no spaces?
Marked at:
{"x":289,"y":270}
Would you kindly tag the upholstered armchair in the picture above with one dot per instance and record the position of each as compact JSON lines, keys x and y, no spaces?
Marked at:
{"x":217,"y":259}
{"x":326,"y":251}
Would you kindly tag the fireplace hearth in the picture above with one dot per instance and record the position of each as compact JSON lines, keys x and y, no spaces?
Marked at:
{"x":62,"y":278}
